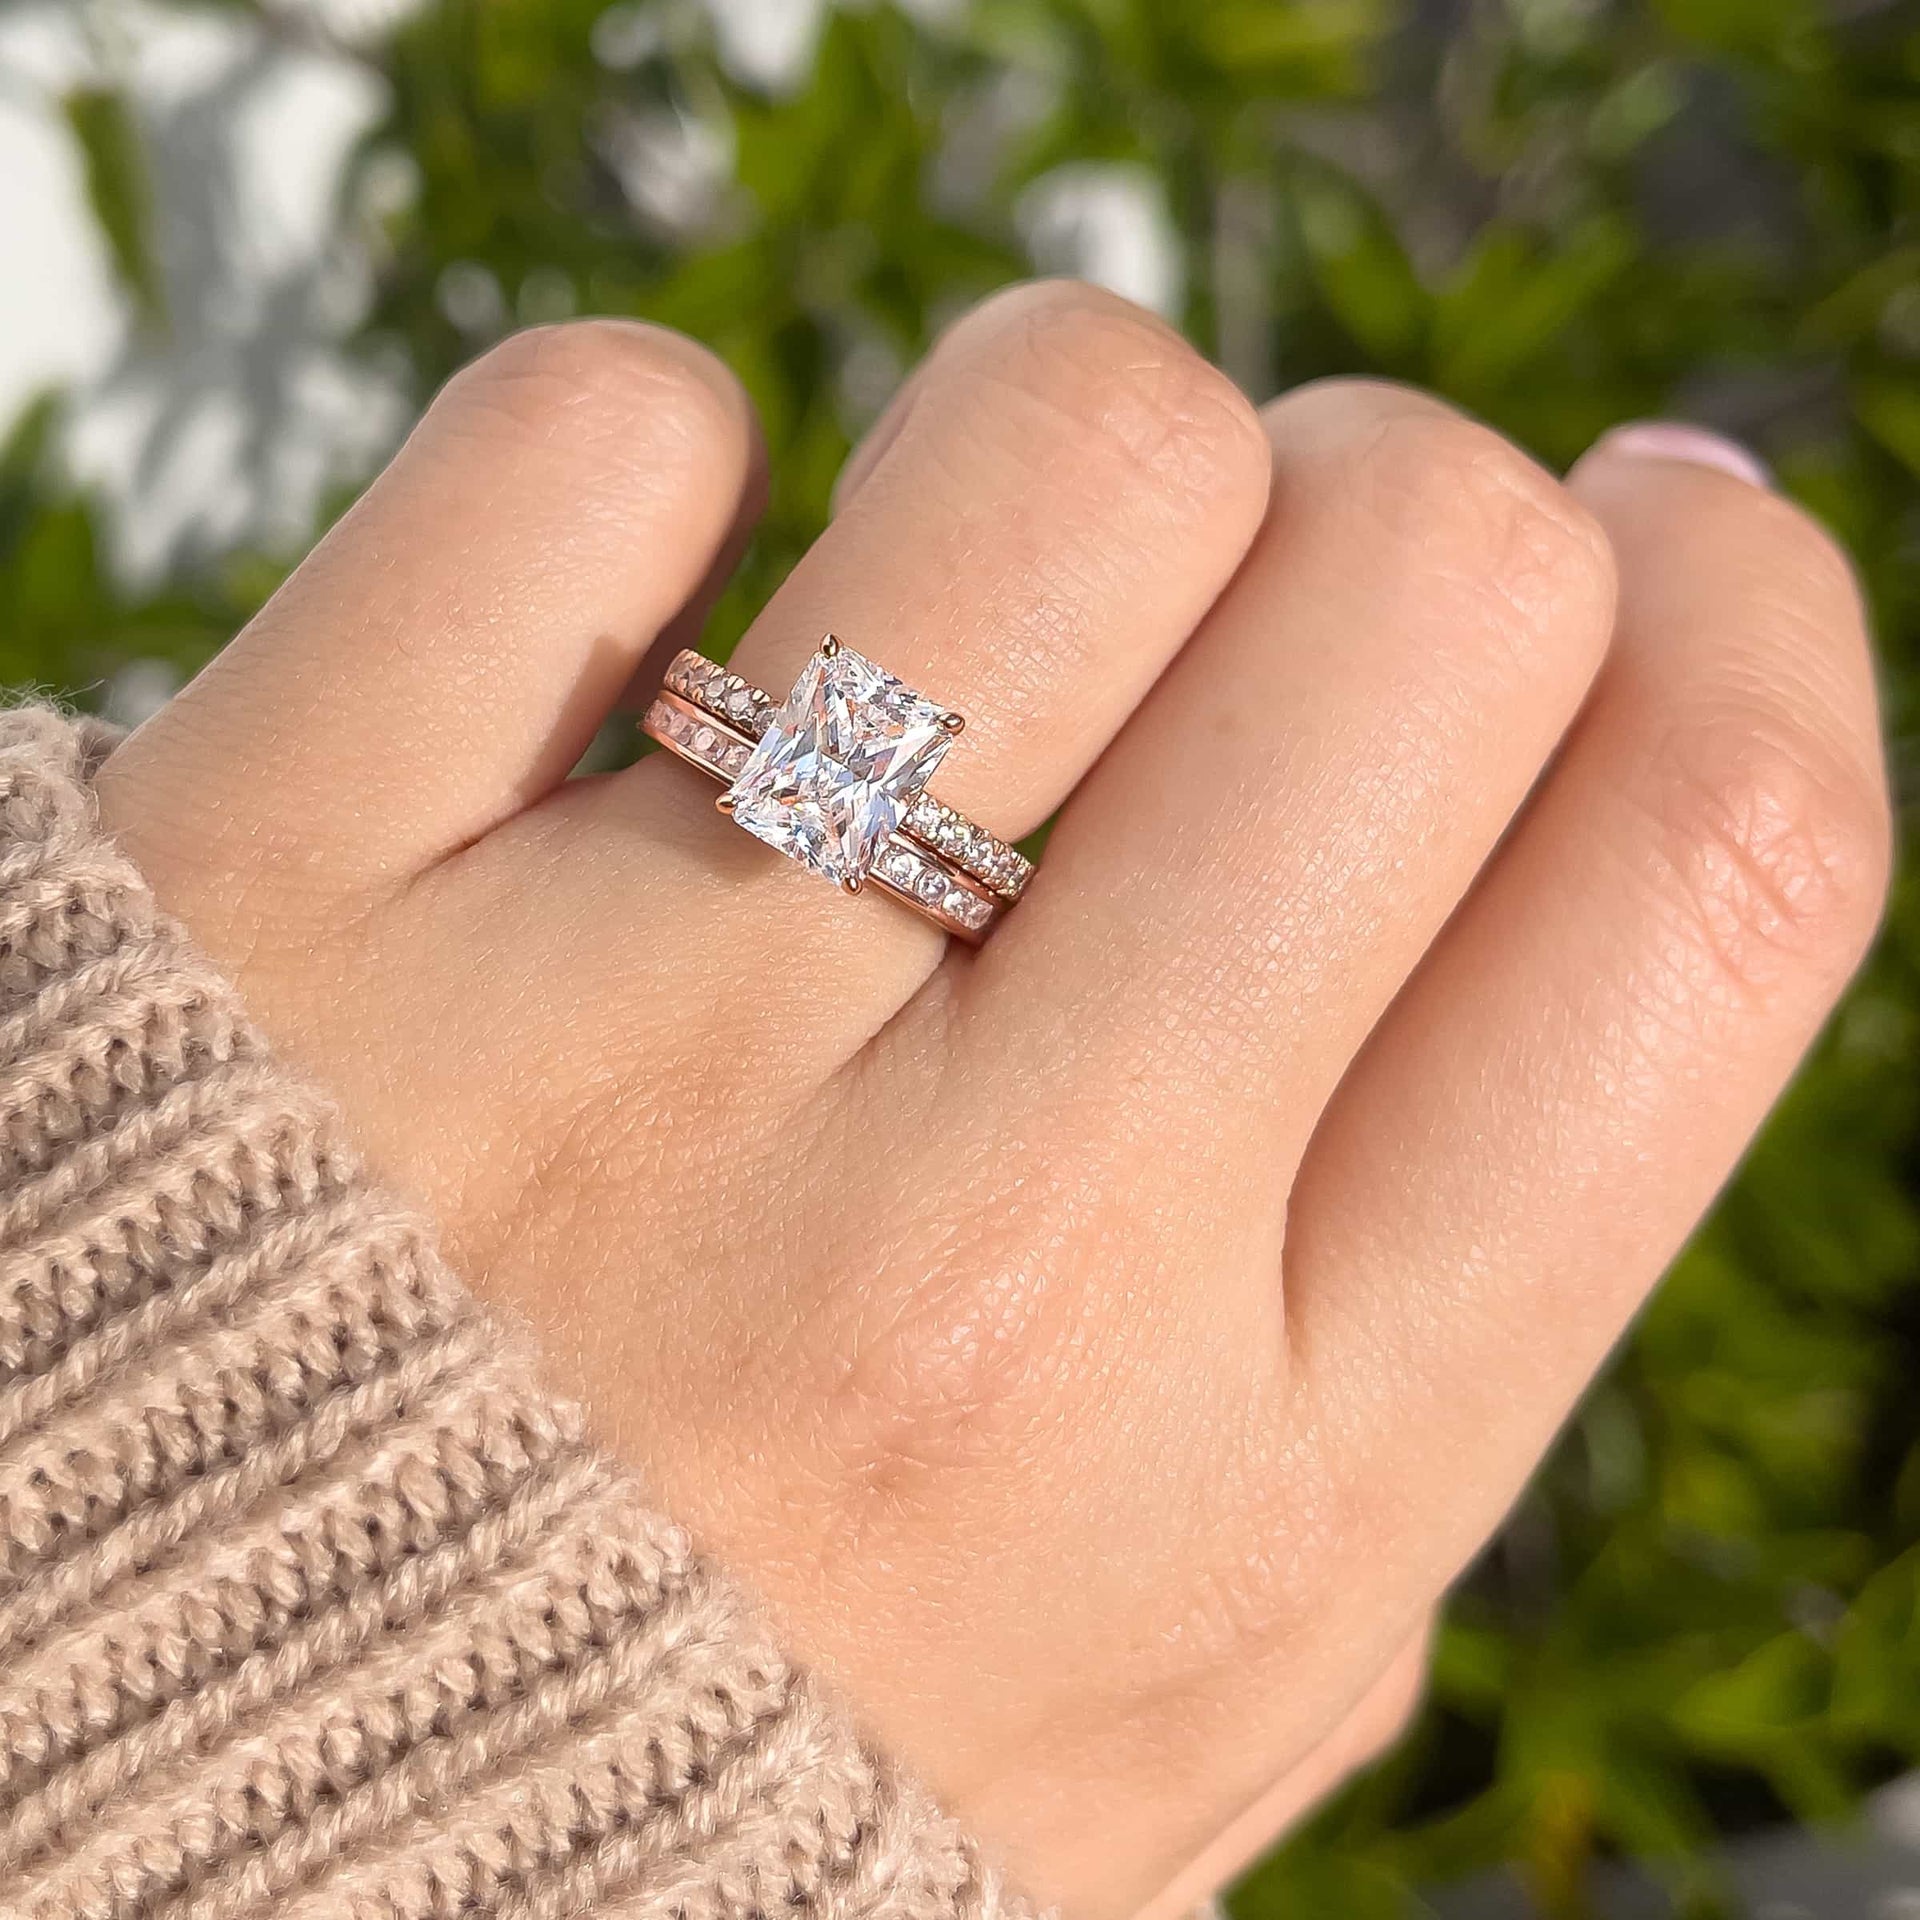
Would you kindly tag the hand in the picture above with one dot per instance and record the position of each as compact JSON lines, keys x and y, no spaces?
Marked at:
{"x":1099,"y":1352}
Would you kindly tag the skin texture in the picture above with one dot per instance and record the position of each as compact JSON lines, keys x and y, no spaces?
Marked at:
{"x":1100,"y":1352}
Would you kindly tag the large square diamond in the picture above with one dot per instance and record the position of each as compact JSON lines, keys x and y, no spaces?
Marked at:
{"x":839,"y":764}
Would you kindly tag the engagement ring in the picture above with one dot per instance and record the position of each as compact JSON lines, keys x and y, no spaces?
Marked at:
{"x":835,"y":777}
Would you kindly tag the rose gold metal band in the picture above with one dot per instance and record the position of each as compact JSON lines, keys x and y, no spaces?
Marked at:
{"x":934,"y":886}
{"x":739,"y":704}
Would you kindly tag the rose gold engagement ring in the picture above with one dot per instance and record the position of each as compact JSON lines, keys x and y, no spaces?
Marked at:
{"x":835,"y":777}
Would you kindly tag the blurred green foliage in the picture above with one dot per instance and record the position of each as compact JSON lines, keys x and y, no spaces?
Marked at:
{"x":1706,"y":1614}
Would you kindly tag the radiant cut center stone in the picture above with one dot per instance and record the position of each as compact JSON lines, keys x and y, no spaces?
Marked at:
{"x":840,"y":762}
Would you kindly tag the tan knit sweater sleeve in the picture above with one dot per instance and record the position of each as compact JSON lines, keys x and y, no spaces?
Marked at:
{"x":311,"y":1602}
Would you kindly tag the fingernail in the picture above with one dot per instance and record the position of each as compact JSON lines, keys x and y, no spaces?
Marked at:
{"x":1679,"y":440}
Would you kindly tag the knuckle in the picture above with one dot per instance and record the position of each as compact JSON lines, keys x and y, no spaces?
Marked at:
{"x":640,"y":393}
{"x":946,"y":1382}
{"x":1119,"y":380}
{"x":1774,"y":853}
{"x":1470,"y":507}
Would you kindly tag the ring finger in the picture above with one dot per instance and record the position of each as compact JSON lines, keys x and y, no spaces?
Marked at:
{"x":1064,"y":495}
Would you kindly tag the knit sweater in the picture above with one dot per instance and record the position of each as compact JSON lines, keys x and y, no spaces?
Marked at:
{"x":312,"y":1602}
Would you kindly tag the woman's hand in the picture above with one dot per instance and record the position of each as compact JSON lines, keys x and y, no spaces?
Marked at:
{"x":1099,"y":1351}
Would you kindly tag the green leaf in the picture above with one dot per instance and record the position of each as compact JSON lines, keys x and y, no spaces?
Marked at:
{"x":1322,"y":47}
{"x":1510,"y":302}
{"x":1889,"y":409}
{"x":1359,"y":266}
{"x":113,"y":160}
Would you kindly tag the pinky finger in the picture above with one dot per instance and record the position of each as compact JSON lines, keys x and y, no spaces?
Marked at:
{"x":1552,"y":1102}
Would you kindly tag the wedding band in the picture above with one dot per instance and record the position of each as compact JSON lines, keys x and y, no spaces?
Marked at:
{"x":835,"y":777}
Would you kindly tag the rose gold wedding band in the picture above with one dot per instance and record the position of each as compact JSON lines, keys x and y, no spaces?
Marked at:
{"x":835,"y":777}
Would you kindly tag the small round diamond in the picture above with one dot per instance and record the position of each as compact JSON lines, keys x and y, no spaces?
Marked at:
{"x":968,"y":908}
{"x":931,"y":886}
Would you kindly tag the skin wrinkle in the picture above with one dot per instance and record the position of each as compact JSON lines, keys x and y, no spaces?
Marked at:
{"x":1319,"y":487}
{"x":383,"y":652}
{"x":1099,"y":363}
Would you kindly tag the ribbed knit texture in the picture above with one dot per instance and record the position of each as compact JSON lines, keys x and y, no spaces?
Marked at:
{"x":311,"y":1602}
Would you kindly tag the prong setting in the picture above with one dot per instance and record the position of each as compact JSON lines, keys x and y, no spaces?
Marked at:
{"x":839,"y":763}
{"x":954,"y":723}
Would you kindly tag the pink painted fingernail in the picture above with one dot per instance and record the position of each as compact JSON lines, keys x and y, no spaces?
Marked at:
{"x":1679,"y":440}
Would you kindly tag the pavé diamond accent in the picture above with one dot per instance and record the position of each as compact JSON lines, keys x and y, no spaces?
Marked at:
{"x":1002,"y":867}
{"x":839,"y":764}
{"x":968,"y":908}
